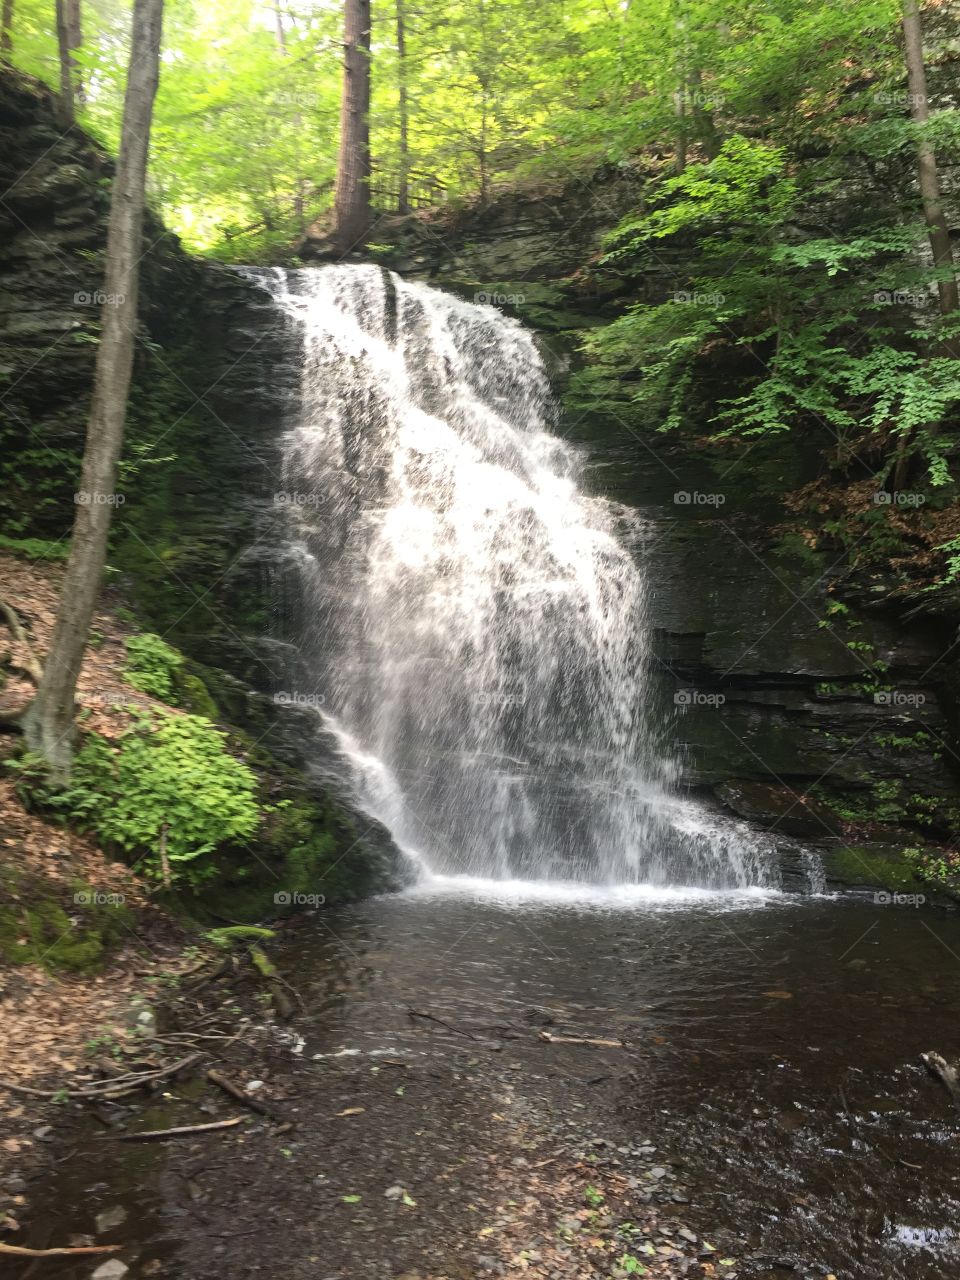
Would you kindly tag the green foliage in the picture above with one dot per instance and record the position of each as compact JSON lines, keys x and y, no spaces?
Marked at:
{"x":153,"y":666}
{"x":169,"y":770}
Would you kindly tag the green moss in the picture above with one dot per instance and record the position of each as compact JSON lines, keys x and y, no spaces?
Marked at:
{"x":38,"y":927}
{"x":876,"y":866}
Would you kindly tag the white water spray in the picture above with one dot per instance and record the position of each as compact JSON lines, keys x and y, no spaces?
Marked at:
{"x":474,"y":619}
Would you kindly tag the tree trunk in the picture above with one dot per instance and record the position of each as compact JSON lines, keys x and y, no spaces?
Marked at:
{"x":403,"y":188}
{"x":928,"y":178}
{"x":74,"y":42}
{"x":6,"y":32}
{"x":352,"y":199}
{"x":66,"y":63}
{"x":48,"y":723}
{"x":278,"y":26}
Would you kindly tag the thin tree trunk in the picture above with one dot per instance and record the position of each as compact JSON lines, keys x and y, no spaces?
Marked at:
{"x":278,"y":19}
{"x":6,"y":32}
{"x":927,"y":175}
{"x":352,"y":198}
{"x":48,"y":723}
{"x":403,"y":190}
{"x":66,"y":63}
{"x":74,"y":42}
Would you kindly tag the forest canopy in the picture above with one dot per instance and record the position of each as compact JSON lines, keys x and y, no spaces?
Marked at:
{"x":467,"y":95}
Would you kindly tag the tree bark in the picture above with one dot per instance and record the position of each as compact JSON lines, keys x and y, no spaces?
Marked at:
{"x":352,"y":198}
{"x":928,"y":178}
{"x":403,"y":187}
{"x":6,"y":31}
{"x":66,"y":63}
{"x":74,"y":42}
{"x":48,"y":723}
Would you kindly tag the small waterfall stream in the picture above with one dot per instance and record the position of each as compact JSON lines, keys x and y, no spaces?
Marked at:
{"x":474,"y":620}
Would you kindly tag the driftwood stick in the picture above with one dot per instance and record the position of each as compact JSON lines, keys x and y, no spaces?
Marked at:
{"x":29,"y":665}
{"x":20,"y":1251}
{"x":430,"y":1017}
{"x":234,"y":1090}
{"x":108,"y":1088}
{"x":179,"y":1132}
{"x":596,"y":1042}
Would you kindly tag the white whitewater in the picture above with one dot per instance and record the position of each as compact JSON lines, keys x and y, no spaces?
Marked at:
{"x":475,"y":622}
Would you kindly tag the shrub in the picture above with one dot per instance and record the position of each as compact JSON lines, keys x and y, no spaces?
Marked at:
{"x":153,"y":666}
{"x":169,"y":769}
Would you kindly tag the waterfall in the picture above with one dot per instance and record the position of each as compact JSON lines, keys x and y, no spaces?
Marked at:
{"x":474,"y":621}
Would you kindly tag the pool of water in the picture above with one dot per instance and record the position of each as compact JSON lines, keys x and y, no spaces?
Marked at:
{"x":772,"y":1044}
{"x":770,"y":1050}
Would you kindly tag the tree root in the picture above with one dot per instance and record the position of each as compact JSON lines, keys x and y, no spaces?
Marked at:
{"x":30,"y":665}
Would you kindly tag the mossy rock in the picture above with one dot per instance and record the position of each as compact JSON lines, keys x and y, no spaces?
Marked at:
{"x":38,"y":927}
{"x":871,"y":867}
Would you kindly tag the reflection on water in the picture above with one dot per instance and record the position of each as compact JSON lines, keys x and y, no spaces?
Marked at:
{"x":772,"y":1046}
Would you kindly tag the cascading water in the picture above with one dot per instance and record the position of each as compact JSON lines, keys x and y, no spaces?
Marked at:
{"x":474,"y":619}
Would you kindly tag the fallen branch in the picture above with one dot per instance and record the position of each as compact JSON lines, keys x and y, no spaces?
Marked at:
{"x":234,"y":1090}
{"x":945,"y":1073}
{"x":113,"y":1087}
{"x":596,"y":1042}
{"x":20,"y":1251}
{"x":429,"y":1017}
{"x":179,"y":1132}
{"x":30,"y":665}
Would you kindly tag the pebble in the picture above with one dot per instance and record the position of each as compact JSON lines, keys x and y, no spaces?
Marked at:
{"x":111,"y":1218}
{"x":393,"y":1193}
{"x":111,"y":1270}
{"x":658,"y":1172}
{"x":687,"y":1234}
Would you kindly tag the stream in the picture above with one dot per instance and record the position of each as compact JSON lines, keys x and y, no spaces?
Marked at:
{"x":770,"y":1068}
